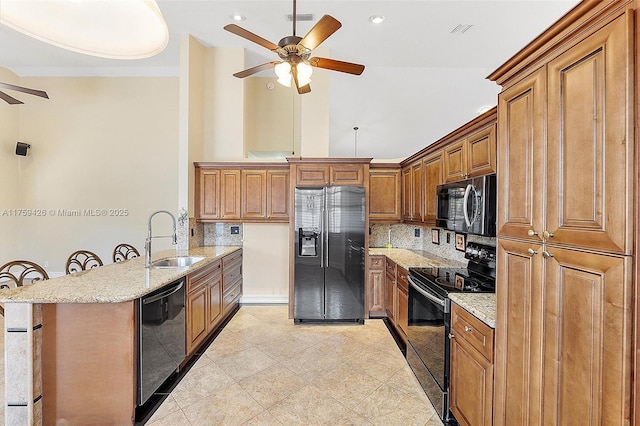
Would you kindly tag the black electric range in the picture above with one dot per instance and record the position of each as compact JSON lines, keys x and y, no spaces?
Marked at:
{"x":429,"y":319}
{"x":477,"y":277}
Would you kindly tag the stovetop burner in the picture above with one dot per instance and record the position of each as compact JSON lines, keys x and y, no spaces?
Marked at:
{"x":477,"y":277}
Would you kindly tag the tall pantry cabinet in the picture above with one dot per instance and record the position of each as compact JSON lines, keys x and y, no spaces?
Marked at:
{"x":566,"y":198}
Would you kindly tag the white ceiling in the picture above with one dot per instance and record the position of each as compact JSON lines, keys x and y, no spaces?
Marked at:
{"x":420,"y":82}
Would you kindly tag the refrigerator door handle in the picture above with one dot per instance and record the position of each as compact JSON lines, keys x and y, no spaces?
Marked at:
{"x":325,"y":229}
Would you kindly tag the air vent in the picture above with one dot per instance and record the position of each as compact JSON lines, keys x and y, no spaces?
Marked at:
{"x":300,"y":17}
{"x":461,"y":29}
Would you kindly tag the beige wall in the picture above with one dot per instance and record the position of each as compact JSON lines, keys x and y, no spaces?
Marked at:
{"x":97,"y":143}
{"x":223,"y":104}
{"x":10,"y":165}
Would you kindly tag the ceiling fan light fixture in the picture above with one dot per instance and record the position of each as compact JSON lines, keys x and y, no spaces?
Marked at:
{"x":283,"y":71}
{"x":304,"y":73}
{"x":376,"y":19}
{"x":132,"y":29}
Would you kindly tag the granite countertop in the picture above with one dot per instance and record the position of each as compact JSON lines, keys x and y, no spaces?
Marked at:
{"x":414,"y":258}
{"x":481,"y":305}
{"x":113,"y":283}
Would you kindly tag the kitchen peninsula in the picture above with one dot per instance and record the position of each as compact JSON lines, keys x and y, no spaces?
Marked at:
{"x":71,"y":342}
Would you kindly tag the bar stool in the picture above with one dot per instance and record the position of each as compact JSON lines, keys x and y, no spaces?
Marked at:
{"x":124,"y":252}
{"x":20,"y":272}
{"x":82,"y":260}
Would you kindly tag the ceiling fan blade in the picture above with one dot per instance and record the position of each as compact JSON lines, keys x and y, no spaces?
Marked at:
{"x":233,"y":28}
{"x":10,"y":100}
{"x":334,"y":65}
{"x":326,"y":26}
{"x":40,"y":93}
{"x":301,"y":89}
{"x":256,"y":69}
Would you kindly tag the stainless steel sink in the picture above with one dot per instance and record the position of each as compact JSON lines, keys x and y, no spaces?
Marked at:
{"x":176,"y":262}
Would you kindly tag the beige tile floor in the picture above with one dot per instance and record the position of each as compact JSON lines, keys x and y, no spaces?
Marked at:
{"x":264,"y":370}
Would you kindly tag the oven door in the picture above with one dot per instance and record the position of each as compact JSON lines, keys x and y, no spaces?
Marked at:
{"x":428,"y":343}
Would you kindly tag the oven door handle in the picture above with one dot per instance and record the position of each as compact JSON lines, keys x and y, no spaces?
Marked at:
{"x":429,"y":296}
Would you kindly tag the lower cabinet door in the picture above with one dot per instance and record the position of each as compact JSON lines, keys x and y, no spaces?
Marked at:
{"x":197,"y":317}
{"x":402,"y":320}
{"x":214,"y":296}
{"x":376,"y":293}
{"x":471,"y":385}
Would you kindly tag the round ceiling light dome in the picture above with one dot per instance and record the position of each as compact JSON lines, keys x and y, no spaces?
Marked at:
{"x":376,"y":19}
{"x":132,"y":29}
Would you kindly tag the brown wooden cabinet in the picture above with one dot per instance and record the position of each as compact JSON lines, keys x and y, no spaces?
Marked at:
{"x":231,"y":281}
{"x":432,"y":178}
{"x":472,"y":156}
{"x":203,"y":304}
{"x":471,"y":382}
{"x":376,"y":287}
{"x":242,"y":192}
{"x":565,"y":201}
{"x":390,"y":292}
{"x":413,"y":192}
{"x":330,"y":171}
{"x":384,"y":194}
{"x":402,"y":301}
{"x":397,"y":297}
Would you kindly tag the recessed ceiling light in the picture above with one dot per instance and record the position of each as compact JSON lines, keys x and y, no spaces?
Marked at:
{"x":376,"y":19}
{"x":238,"y":17}
{"x":484,"y":109}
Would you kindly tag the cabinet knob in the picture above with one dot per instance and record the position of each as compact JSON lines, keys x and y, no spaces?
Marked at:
{"x":547,"y":234}
{"x":547,"y":254}
{"x":452,"y":336}
{"x":531,"y":252}
{"x":531,"y":233}
{"x":467,"y":329}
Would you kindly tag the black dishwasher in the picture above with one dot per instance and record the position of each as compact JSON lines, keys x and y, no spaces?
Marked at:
{"x":161,"y":337}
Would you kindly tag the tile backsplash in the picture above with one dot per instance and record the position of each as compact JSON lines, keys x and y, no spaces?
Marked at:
{"x":404,"y":236}
{"x":219,"y":234}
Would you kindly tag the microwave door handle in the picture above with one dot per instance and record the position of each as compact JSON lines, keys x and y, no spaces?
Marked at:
{"x":465,"y":200}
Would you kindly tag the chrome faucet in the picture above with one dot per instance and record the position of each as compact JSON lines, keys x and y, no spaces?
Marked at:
{"x":147,"y":243}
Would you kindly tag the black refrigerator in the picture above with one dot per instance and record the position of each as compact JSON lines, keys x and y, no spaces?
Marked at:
{"x":329,"y":254}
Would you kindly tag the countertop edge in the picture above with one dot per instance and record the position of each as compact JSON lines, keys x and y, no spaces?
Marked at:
{"x":108,"y":283}
{"x":480,"y":305}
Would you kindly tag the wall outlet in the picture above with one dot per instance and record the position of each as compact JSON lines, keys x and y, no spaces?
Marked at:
{"x":416,"y":232}
{"x":235,"y":230}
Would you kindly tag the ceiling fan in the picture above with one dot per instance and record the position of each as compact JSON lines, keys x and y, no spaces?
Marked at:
{"x":13,"y":101}
{"x":295,"y":53}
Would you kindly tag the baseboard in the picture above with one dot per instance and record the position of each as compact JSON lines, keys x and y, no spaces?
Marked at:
{"x":264,"y":300}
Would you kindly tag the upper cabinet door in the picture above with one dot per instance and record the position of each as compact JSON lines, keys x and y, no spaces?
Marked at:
{"x":418,"y":191}
{"x":384,"y":194}
{"x":207,"y":193}
{"x":278,"y":195}
{"x":312,"y":175}
{"x":254,"y":194}
{"x":455,"y":162}
{"x":229,"y":194}
{"x":346,"y":174}
{"x":481,"y":152}
{"x":590,"y":142}
{"x":521,"y":158}
{"x":432,"y":178}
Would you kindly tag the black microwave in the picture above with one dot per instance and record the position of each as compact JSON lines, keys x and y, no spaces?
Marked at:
{"x":468,"y":206}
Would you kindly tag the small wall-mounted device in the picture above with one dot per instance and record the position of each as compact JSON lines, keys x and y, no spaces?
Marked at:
{"x":235,"y":230}
{"x":22,"y":148}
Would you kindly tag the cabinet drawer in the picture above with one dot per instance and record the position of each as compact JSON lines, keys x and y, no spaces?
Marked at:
{"x":376,"y":262}
{"x":231,"y":260}
{"x":475,"y":332}
{"x":232,"y":296}
{"x":230,"y":277}
{"x":403,"y":281}
{"x":391,"y":267}
{"x":202,"y":276}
